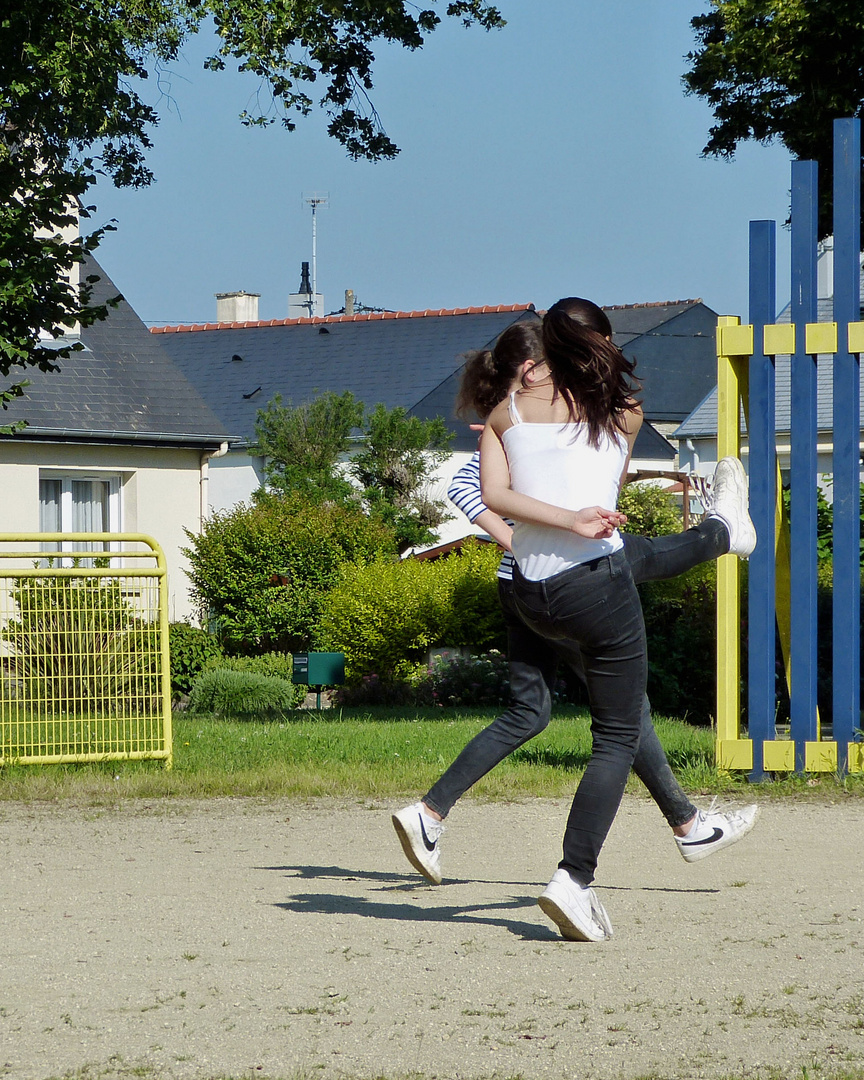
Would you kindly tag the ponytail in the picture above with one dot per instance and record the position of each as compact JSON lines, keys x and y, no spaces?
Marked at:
{"x":489,"y":374}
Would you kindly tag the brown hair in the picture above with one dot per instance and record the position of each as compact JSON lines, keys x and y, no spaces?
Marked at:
{"x":489,"y":373}
{"x":591,"y":374}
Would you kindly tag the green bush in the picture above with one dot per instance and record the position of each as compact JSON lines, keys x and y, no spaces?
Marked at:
{"x":241,"y":694}
{"x":470,"y":680}
{"x":263,"y":571}
{"x":77,"y":646}
{"x":191,"y":650}
{"x":680,"y":626}
{"x":274,"y":665}
{"x":385,"y":616}
{"x":373,"y":690}
{"x":650,"y":510}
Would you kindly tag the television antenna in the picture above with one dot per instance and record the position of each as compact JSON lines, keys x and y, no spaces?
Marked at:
{"x":318,"y":200}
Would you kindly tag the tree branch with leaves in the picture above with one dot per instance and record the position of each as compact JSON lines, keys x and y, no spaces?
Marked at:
{"x":780,"y":69}
{"x":73,"y":75}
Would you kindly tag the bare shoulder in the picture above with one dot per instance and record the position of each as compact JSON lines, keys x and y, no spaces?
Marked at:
{"x":499,"y":418}
{"x":632,"y":419}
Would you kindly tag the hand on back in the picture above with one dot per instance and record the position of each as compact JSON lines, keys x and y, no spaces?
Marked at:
{"x":597,"y":523}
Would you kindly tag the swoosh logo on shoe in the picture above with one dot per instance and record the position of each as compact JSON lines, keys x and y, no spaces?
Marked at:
{"x":430,"y":844}
{"x":689,"y":843}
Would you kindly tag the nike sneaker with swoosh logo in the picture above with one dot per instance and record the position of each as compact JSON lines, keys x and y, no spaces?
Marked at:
{"x":714,"y":830}
{"x":419,"y":835}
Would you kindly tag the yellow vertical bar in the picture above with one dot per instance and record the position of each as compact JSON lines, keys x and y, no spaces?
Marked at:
{"x":165,"y":656}
{"x":732,"y":380}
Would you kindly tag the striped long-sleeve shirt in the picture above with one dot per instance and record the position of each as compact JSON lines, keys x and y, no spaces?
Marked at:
{"x":464,"y":493}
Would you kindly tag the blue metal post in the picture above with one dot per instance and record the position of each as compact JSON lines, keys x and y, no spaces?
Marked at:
{"x":803,"y":464}
{"x":847,"y":427}
{"x":763,"y":469}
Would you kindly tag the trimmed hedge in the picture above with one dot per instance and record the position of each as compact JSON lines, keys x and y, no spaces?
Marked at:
{"x":386,"y":615}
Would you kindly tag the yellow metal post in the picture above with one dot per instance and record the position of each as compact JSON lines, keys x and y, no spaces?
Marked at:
{"x":734,"y":347}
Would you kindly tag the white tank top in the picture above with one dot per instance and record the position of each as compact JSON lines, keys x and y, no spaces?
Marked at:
{"x":556,"y":464}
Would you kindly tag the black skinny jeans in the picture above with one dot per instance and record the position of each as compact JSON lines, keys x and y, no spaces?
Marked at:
{"x":533,"y":673}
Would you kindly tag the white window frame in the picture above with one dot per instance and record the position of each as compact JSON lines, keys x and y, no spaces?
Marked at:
{"x":69,"y":476}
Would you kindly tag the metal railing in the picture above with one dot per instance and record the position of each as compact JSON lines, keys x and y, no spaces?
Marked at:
{"x":84,"y":660}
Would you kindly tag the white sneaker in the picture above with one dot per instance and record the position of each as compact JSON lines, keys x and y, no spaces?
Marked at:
{"x":574,"y":909}
{"x":714,"y":830}
{"x":419,"y":835}
{"x":729,"y":500}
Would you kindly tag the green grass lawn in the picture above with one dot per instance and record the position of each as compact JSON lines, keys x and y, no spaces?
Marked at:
{"x":375,"y":753}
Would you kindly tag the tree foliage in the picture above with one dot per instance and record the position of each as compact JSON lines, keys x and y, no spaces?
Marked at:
{"x":780,"y":69}
{"x":73,"y":104}
{"x":399,"y":455}
{"x":307,"y":448}
{"x":262,"y":571}
{"x":304,"y":444}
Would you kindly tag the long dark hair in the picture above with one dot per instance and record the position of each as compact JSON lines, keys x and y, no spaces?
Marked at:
{"x":489,"y":373}
{"x":591,"y":374}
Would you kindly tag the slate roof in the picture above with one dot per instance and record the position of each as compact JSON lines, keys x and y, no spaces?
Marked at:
{"x":673,"y":346}
{"x":407,"y":359}
{"x":702,"y":421}
{"x":122,"y":387}
{"x":414,"y":360}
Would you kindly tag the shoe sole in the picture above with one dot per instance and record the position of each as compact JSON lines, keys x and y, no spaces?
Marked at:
{"x":727,"y":841}
{"x":570,"y":930}
{"x":410,"y":854}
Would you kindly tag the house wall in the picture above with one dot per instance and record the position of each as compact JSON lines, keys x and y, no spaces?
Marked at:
{"x":159,"y":495}
{"x":233,"y":479}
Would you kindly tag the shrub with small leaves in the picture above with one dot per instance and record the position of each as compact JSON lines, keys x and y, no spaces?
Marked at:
{"x":650,"y":510}
{"x":191,"y":650}
{"x":385,"y":616}
{"x":264,"y":570}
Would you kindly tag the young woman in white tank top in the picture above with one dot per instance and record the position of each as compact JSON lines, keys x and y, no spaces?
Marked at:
{"x":488,"y":378}
{"x":552,"y":458}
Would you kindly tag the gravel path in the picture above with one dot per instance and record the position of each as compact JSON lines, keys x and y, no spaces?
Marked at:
{"x":235,"y":939}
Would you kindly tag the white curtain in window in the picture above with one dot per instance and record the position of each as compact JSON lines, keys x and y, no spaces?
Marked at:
{"x":49,"y":505}
{"x":50,"y":492}
{"x":89,"y":506}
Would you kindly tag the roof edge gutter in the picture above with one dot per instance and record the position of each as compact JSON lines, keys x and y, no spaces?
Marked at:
{"x":152,"y":438}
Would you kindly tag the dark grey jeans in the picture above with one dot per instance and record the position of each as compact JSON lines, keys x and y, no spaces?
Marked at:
{"x":533,"y":674}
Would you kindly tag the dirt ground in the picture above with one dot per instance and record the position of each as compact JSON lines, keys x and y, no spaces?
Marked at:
{"x":238,"y":939}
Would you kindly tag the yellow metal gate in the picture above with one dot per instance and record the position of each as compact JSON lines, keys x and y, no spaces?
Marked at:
{"x":84,"y":663}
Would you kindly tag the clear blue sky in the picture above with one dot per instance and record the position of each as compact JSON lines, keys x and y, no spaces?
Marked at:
{"x":557,"y":156}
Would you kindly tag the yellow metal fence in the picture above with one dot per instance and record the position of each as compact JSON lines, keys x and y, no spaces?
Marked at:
{"x":84,"y":662}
